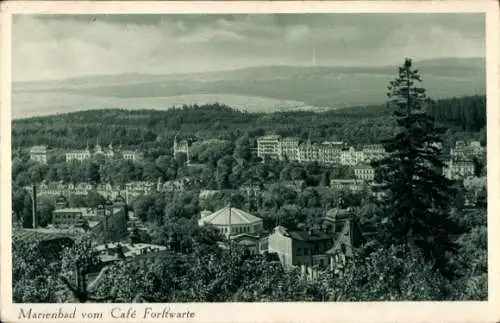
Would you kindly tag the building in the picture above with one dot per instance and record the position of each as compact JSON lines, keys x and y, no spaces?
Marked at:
{"x":373,"y":152}
{"x":352,"y":156}
{"x":107,"y":153}
{"x":330,"y":152}
{"x":132,"y":155}
{"x":68,"y":217}
{"x":139,"y":188}
{"x":364,"y":172}
{"x":351,"y":185}
{"x":456,"y":170}
{"x":252,"y":242}
{"x":111,"y":252}
{"x":39,"y":154}
{"x":289,"y":148}
{"x":345,"y":228}
{"x":232,"y":221}
{"x":79,"y":155}
{"x":60,"y":188}
{"x":338,"y":236}
{"x":464,"y":151}
{"x":181,"y":147}
{"x":269,"y":146}
{"x":297,"y":248}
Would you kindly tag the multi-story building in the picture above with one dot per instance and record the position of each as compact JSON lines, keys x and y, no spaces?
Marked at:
{"x":352,"y":156}
{"x":351,"y":185}
{"x":39,"y":154}
{"x":289,"y":148}
{"x":465,"y":152}
{"x":117,"y":251}
{"x":330,"y":152}
{"x":108,"y":153}
{"x":79,"y":155}
{"x":456,"y":170}
{"x":139,"y":188}
{"x":132,"y":155}
{"x":309,"y":152}
{"x":59,"y":188}
{"x":364,"y":172}
{"x":181,"y":147}
{"x":66,"y":217}
{"x":326,"y":247}
{"x":296,"y":248}
{"x":269,"y":146}
{"x":373,"y":152}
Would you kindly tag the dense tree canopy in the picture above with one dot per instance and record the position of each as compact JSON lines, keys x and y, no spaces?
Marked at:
{"x":417,"y":195}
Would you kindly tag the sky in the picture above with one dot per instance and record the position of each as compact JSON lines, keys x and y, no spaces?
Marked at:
{"x":65,"y":46}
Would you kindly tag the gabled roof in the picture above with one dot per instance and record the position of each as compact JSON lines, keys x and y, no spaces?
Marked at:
{"x":302,"y":235}
{"x":221,"y":217}
{"x":38,"y":149}
{"x":244,"y":237}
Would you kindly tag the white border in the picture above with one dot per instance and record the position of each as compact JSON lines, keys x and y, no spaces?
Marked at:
{"x":275,"y":312}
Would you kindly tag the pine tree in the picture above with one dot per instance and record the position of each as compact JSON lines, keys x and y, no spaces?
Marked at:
{"x":416,"y":195}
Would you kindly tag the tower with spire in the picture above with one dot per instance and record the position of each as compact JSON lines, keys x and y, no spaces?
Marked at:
{"x":313,"y":60}
{"x":98,"y":148}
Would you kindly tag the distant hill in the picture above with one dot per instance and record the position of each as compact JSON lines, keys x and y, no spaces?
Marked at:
{"x":255,"y":89}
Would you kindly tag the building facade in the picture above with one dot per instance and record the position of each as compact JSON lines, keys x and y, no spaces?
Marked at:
{"x":328,"y":152}
{"x":457,"y":170}
{"x":39,"y":154}
{"x":68,"y":217}
{"x":269,"y":146}
{"x":232,"y":221}
{"x":297,"y":248}
{"x":107,"y":153}
{"x":181,"y":147}
{"x":364,"y":172}
{"x":351,"y":185}
{"x":329,"y":245}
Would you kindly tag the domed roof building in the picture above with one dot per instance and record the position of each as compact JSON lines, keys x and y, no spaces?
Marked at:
{"x":231,"y":221}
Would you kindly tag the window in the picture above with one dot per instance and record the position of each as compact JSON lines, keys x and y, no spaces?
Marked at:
{"x":306,"y":251}
{"x":299,"y":251}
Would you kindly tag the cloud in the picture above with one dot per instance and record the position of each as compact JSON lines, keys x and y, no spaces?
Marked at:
{"x":55,"y":47}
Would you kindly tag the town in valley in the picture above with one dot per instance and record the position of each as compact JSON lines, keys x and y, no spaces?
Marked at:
{"x":376,"y":197}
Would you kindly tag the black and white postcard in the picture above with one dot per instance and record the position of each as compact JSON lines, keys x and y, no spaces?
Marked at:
{"x":250,"y":161}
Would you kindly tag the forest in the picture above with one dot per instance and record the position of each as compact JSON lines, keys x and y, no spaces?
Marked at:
{"x":149,"y":129}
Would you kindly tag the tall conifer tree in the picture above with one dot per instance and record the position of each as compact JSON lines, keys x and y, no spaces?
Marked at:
{"x":416,"y":195}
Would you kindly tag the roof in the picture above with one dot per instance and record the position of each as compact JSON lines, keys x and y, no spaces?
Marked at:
{"x":205,"y":213}
{"x":337,"y":213}
{"x":308,"y":236}
{"x":245,"y":237}
{"x":44,"y":234}
{"x":222,"y":216}
{"x":366,"y":166}
{"x":82,"y":210}
{"x":345,"y":181}
{"x":38,"y":148}
{"x":269,"y":137}
{"x":302,"y":235}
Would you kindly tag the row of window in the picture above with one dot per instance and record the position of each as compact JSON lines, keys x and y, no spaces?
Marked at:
{"x":67,"y":216}
{"x":237,"y":229}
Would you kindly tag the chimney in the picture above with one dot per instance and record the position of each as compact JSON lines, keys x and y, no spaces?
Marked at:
{"x":34,"y":210}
